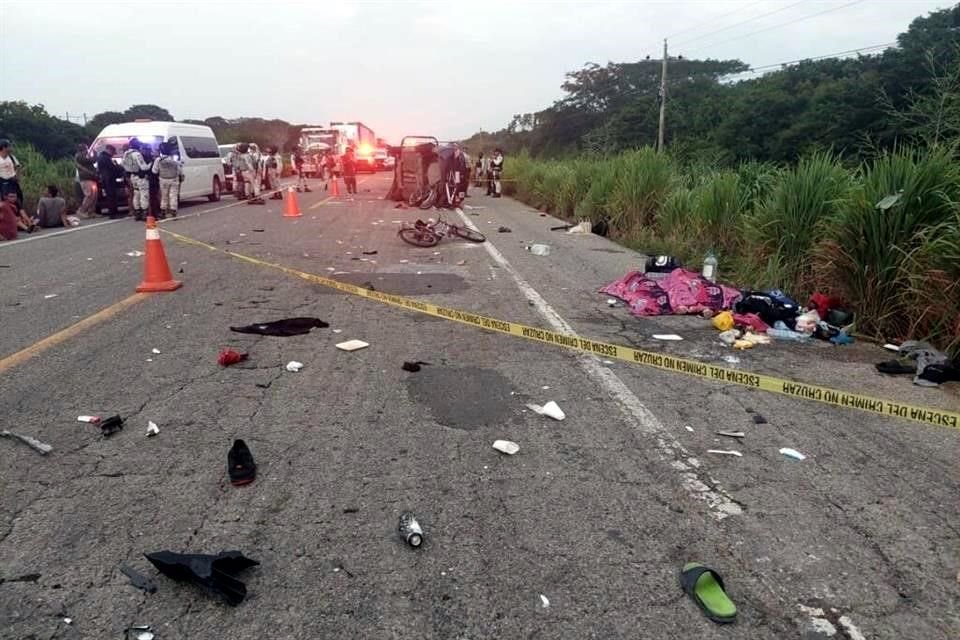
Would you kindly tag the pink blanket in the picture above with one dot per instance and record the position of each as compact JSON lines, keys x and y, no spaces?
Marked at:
{"x":681,"y":292}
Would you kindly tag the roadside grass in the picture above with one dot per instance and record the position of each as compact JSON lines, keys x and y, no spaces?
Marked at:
{"x":814,"y":226}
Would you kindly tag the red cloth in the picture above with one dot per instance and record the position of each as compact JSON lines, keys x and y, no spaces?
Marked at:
{"x":751,"y":320}
{"x":229,"y":357}
{"x":823,"y":303}
{"x":8,"y":221}
{"x":680,"y":292}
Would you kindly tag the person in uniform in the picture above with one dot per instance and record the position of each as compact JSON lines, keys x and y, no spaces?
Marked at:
{"x":250,"y":177}
{"x":271,"y":171}
{"x":297,"y":160}
{"x":136,"y":169}
{"x":236,"y":163}
{"x":169,"y":171}
{"x":494,"y":188}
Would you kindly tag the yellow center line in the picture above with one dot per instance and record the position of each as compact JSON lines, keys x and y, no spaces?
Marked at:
{"x":317,"y":205}
{"x":60,"y":337}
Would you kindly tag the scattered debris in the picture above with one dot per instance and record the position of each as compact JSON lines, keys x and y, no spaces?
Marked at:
{"x":759,"y":419}
{"x":50,"y":295}
{"x":724,"y":452}
{"x":539,"y":249}
{"x":259,"y":230}
{"x":293,"y":366}
{"x":670,"y":337}
{"x":584,"y":226}
{"x":551,"y":409}
{"x":68,"y":620}
{"x":212,"y":572}
{"x":155,"y":351}
{"x":792,"y":453}
{"x":410,"y":529}
{"x":460,"y":263}
{"x":562,"y":227}
{"x":369,"y":253}
{"x":731,"y":359}
{"x":89,"y":419}
{"x":134,"y":254}
{"x":152,"y":429}
{"x":506,"y":446}
{"x":338,"y":330}
{"x":40,"y":447}
{"x":891,"y":347}
{"x":229,"y":357}
{"x":732,"y":434}
{"x":413,"y":367}
{"x":29,"y":577}
{"x":688,"y":428}
{"x":401,"y":205}
{"x":353,"y":345}
{"x":612,"y":302}
{"x":544,"y":602}
{"x":504,"y":230}
{"x":240,"y":465}
{"x":282,"y":328}
{"x":139,"y":580}
{"x":111,"y":425}
{"x":140,"y":632}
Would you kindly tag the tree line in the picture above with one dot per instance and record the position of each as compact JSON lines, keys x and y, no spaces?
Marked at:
{"x":855,"y":106}
{"x":57,"y":138}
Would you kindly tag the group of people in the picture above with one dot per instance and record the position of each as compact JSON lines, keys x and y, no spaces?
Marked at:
{"x":51,"y":208}
{"x":488,"y":171}
{"x":328,"y":167}
{"x":255,"y":172}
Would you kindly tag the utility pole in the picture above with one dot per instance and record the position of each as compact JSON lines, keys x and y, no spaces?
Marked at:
{"x":663,"y":99}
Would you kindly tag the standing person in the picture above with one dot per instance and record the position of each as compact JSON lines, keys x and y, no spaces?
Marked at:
{"x":271,"y":169}
{"x":250,"y":177}
{"x":297,"y":160}
{"x":52,"y":209}
{"x":137,"y":169}
{"x":153,"y":181}
{"x":329,"y":168}
{"x":169,"y":172}
{"x":349,"y":166}
{"x":494,"y":188}
{"x":478,"y":170}
{"x":236,"y":163}
{"x":108,"y":171}
{"x":10,"y":172}
{"x":87,"y":177}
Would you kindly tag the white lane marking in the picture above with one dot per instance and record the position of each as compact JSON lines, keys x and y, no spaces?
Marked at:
{"x":58,"y":233}
{"x":634,"y":412}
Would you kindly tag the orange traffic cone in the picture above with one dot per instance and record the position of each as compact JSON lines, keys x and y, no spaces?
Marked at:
{"x":290,"y":207}
{"x":334,"y":187}
{"x":156,"y":271}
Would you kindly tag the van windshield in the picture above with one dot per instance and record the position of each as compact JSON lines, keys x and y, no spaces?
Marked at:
{"x":120,"y":143}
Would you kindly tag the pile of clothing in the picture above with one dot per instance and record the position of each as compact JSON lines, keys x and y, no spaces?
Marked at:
{"x":680,"y":292}
{"x":930,"y":367}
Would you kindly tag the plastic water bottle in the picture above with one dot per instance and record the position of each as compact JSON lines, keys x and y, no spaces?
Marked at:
{"x":709,"y":271}
{"x":781,"y":332}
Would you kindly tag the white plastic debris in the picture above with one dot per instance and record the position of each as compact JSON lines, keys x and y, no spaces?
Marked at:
{"x":731,"y":434}
{"x":505,"y":446}
{"x":293,"y":366}
{"x":49,"y":295}
{"x":731,"y":359}
{"x":353,"y":345}
{"x":792,"y":453}
{"x":338,"y":330}
{"x":688,"y":428}
{"x":611,"y":302}
{"x":155,"y":351}
{"x":544,"y":602}
{"x":551,"y":410}
{"x":724,"y":452}
{"x":539,"y":249}
{"x":68,"y":620}
{"x":152,"y":429}
{"x":670,"y":337}
{"x":89,"y":419}
{"x":134,"y":254}
{"x":891,"y":347}
{"x":585,"y":226}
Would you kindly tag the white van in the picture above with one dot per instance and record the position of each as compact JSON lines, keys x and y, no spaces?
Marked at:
{"x":202,"y":168}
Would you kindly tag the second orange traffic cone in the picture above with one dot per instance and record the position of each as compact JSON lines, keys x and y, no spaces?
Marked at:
{"x":156,"y":271}
{"x":334,"y":187}
{"x":290,"y":207}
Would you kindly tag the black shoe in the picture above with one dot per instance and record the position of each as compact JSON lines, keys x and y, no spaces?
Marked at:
{"x":240,"y":465}
{"x":307,"y":190}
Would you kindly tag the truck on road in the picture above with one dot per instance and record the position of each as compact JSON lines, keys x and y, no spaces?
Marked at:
{"x":362,"y":139}
{"x":314,"y":143}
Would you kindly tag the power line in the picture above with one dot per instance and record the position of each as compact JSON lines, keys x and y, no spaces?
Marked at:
{"x":713,"y":20}
{"x":782,"y":24}
{"x":737,"y":24}
{"x":823,"y":57}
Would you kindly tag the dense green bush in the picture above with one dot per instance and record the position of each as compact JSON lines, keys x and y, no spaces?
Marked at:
{"x":813,"y":226}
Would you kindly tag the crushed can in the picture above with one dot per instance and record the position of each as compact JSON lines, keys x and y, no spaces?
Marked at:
{"x":410,"y":529}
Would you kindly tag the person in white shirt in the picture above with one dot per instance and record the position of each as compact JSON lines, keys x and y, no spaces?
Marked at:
{"x":10,"y":173}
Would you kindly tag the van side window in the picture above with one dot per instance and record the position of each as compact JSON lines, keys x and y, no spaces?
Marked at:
{"x":196,"y":147}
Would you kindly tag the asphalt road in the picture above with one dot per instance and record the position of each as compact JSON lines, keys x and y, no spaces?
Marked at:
{"x":596,"y":513}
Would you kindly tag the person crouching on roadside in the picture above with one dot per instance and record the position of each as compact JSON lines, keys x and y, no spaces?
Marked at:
{"x":10,"y":220}
{"x":52,"y":209}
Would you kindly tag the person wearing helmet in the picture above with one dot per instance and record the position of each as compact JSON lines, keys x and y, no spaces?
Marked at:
{"x":168,"y":168}
{"x":137,"y":168}
{"x":296,"y":161}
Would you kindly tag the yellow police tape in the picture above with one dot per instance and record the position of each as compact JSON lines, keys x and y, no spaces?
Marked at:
{"x":938,"y":417}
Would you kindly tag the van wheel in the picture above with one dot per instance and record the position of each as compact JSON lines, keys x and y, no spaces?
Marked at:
{"x":215,"y":196}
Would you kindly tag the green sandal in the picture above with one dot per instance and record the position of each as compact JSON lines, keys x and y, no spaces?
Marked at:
{"x":705,"y":586}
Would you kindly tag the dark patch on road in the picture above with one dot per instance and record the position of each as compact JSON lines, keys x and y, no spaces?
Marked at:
{"x":406,"y":284}
{"x":609,"y":250}
{"x":463,"y":397}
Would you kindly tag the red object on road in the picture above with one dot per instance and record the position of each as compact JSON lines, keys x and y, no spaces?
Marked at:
{"x":229,"y":356}
{"x":291,"y":209}
{"x":156,"y":271}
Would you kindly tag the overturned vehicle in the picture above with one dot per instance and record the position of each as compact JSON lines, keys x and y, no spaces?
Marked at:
{"x":428,"y":173}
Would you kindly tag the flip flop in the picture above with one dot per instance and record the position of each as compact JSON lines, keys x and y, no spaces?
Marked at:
{"x":705,"y":586}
